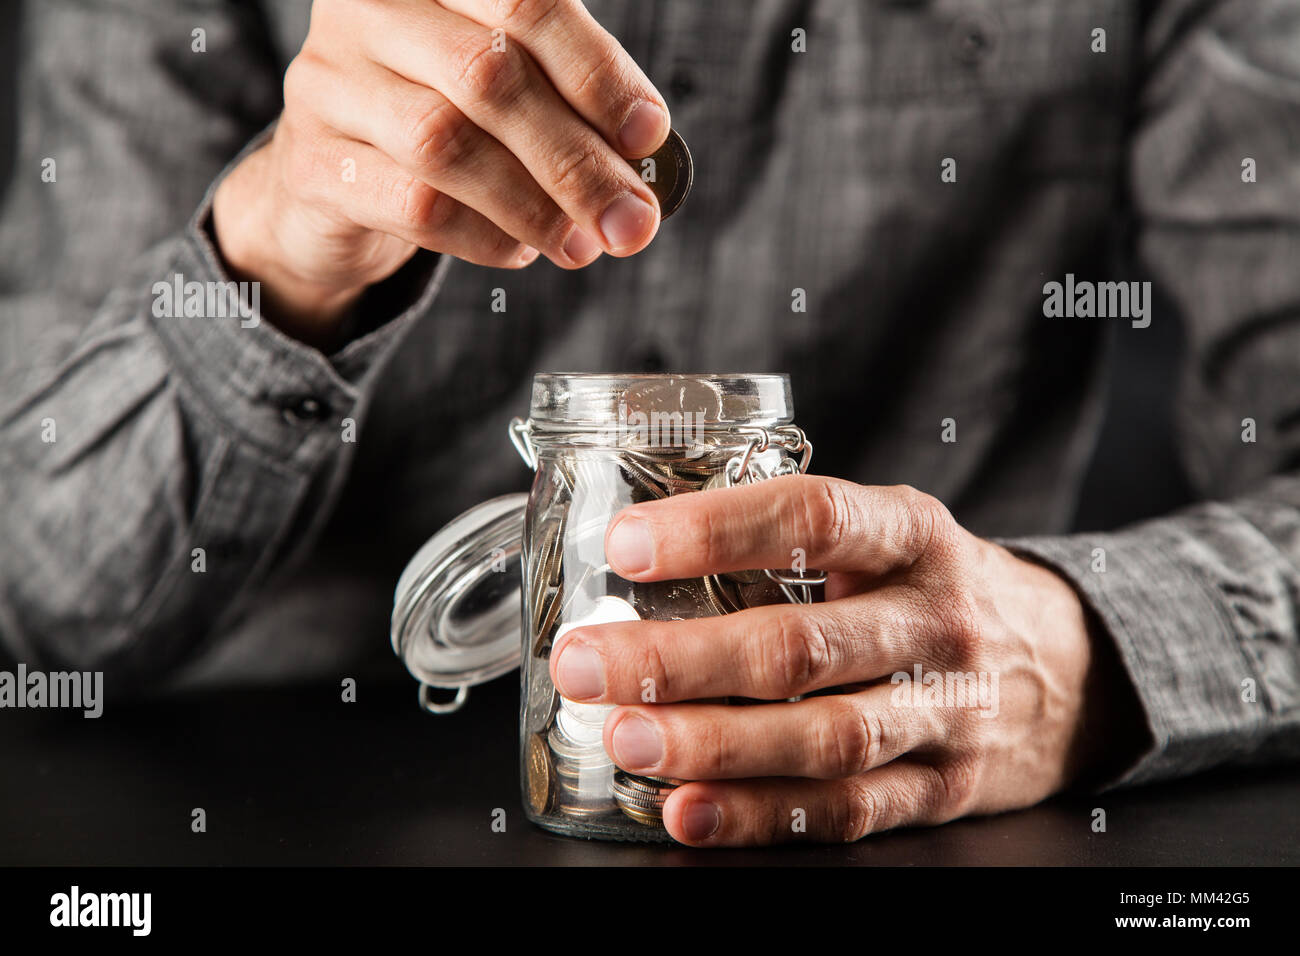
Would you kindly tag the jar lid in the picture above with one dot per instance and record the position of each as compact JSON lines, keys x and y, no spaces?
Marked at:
{"x":456,"y":611}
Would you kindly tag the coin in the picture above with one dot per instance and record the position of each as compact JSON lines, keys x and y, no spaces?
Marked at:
{"x":642,"y":798}
{"x":576,"y":756}
{"x":644,"y":487}
{"x":541,"y":775}
{"x":657,"y":481}
{"x":586,"y":811}
{"x":542,"y":702}
{"x":550,"y":614}
{"x":650,"y":819}
{"x":584,"y":724}
{"x":546,"y":573}
{"x":676,"y":600}
{"x":669,"y":172}
{"x":722,"y":595}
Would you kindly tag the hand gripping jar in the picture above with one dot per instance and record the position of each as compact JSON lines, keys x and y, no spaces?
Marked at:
{"x":597,"y":444}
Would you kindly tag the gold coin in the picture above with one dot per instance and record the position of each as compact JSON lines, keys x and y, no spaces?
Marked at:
{"x":541,"y":775}
{"x":644,"y":817}
{"x":669,"y":172}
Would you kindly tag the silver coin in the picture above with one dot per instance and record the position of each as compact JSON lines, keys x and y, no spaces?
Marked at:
{"x":542,"y":702}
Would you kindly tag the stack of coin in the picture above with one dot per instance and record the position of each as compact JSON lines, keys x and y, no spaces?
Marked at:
{"x":642,"y":798}
{"x":583,"y":773}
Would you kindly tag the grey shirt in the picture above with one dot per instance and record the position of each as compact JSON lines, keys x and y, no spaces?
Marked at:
{"x":821,"y":171}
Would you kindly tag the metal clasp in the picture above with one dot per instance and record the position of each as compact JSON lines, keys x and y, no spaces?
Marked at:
{"x":738,"y":470}
{"x":521,"y":436}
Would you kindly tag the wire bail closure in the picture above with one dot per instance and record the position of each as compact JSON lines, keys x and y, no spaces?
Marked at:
{"x":521,"y":436}
{"x":740,"y":471}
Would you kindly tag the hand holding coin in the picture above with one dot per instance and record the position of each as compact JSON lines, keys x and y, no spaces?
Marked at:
{"x":447,"y":127}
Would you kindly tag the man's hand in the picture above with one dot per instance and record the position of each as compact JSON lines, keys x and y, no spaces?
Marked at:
{"x":907,"y":587}
{"x":486,"y":129}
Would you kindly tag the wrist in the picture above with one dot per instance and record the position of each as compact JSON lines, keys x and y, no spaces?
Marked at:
{"x":248,"y":226}
{"x":1108,"y":724}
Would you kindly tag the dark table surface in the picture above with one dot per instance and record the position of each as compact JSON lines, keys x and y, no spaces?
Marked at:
{"x":297,"y":776}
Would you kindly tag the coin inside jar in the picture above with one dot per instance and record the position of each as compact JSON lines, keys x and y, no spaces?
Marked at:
{"x":541,"y":775}
{"x":669,"y":172}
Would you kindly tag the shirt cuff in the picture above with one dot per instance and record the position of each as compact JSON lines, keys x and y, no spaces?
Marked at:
{"x":275,"y":392}
{"x":1169,"y":629}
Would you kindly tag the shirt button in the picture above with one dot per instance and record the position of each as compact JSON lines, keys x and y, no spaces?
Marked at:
{"x":973,"y":39}
{"x":303,"y":410}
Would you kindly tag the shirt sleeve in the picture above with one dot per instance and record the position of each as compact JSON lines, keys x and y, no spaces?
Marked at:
{"x":164,"y":452}
{"x":1203,"y":606}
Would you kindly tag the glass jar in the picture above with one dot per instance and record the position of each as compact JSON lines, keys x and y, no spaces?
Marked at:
{"x":597,"y":444}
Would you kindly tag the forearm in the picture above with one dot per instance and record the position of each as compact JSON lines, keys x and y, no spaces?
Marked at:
{"x":164,"y":451}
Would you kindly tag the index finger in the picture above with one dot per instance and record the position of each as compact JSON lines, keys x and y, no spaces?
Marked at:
{"x":828,"y":523}
{"x":585,"y":64}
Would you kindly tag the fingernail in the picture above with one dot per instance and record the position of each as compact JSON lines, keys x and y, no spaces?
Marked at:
{"x":580,"y":672}
{"x":626,"y":222}
{"x":642,"y":130}
{"x":700,"y":820}
{"x":580,"y":247}
{"x":629,"y":546}
{"x":637,"y":743}
{"x":528,"y":255}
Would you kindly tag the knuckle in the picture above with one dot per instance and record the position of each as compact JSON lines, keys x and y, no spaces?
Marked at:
{"x":931,"y":526}
{"x":853,"y":740}
{"x":494,"y":76}
{"x":825,"y":516}
{"x":543,"y":222}
{"x":959,"y":621}
{"x":799,"y":654}
{"x":579,"y":172}
{"x":604,"y":71}
{"x":651,"y":665}
{"x":856,"y":814}
{"x":714,"y":755}
{"x":957,"y":787}
{"x":704,"y":541}
{"x":300,"y":80}
{"x":435,"y":135}
{"x":421,"y":207}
